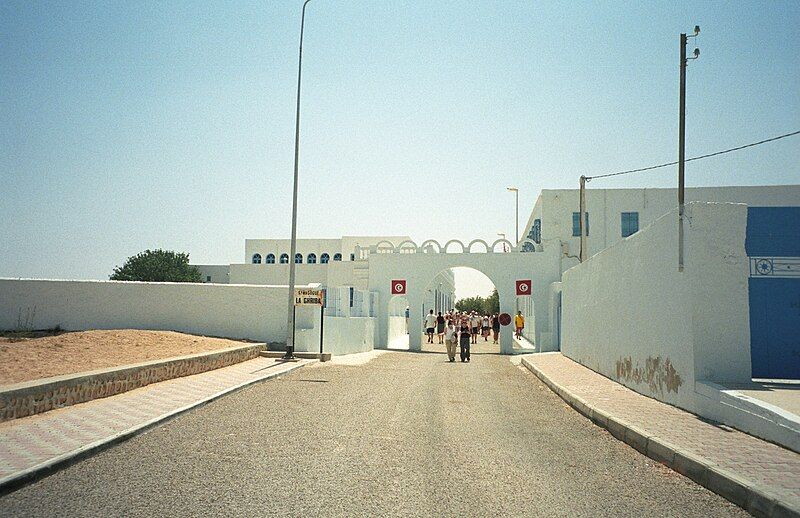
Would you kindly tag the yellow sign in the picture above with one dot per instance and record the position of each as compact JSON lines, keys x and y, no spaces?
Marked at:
{"x":306,"y":297}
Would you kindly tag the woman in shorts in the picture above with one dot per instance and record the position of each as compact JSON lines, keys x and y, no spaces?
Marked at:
{"x":440,"y":327}
{"x":475,"y":323}
{"x":485,"y":328}
{"x":496,"y":328}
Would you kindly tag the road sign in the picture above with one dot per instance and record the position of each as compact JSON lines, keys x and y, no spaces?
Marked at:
{"x":505,"y":319}
{"x":306,"y":297}
{"x":399,"y":287}
{"x":524,"y":287}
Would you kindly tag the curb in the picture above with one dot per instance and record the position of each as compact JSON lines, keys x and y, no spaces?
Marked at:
{"x":726,"y":484}
{"x":25,"y":477}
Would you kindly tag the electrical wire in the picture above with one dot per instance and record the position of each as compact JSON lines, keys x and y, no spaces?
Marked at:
{"x":694,"y":158}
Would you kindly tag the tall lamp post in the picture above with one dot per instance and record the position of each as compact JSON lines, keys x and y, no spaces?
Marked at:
{"x":293,"y":247}
{"x":516,"y":215}
{"x":682,"y":137}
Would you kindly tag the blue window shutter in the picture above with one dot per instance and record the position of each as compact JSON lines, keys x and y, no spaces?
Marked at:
{"x":629,"y":223}
{"x":576,"y":226}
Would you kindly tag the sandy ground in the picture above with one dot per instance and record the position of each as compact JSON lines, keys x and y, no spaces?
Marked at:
{"x":80,"y":351}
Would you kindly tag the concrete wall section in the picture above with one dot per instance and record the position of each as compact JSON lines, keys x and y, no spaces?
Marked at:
{"x":214,"y":273}
{"x":629,"y":314}
{"x":233,"y":311}
{"x":343,"y":335}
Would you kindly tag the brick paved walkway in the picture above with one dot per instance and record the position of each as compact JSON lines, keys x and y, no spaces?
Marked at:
{"x":770,"y":470}
{"x":32,"y":444}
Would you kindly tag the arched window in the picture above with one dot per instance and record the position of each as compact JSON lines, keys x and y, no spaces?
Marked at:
{"x":337,"y":257}
{"x":256,"y":258}
{"x":270,"y":259}
{"x":298,"y":258}
{"x":324,"y":258}
{"x":284,"y":258}
{"x":311,"y":259}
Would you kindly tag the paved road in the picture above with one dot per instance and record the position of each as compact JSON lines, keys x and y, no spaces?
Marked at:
{"x":406,"y":434}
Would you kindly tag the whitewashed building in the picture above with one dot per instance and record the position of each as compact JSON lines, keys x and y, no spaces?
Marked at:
{"x":333,"y":263}
{"x":614,"y":214}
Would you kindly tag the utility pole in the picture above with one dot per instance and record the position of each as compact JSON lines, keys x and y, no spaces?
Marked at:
{"x":582,"y":220}
{"x":293,"y":247}
{"x":682,"y":138}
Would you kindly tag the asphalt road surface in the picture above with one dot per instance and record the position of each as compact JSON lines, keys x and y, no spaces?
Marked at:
{"x":406,"y":434}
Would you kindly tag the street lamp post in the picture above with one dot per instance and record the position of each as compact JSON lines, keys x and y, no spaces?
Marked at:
{"x":516,"y":215}
{"x":682,"y":137}
{"x":293,"y":247}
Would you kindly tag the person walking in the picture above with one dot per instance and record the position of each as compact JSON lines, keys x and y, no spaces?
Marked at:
{"x":440,"y":327}
{"x":450,"y":338}
{"x":430,"y":325}
{"x":496,"y":328}
{"x":464,"y":339}
{"x":485,"y":328}
{"x":475,"y":324}
{"x":519,"y":324}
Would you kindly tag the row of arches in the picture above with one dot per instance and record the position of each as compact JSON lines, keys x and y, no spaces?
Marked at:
{"x":298,"y":258}
{"x":433,"y":246}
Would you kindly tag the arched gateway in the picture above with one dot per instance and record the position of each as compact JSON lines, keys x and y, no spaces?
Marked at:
{"x":503,"y":269}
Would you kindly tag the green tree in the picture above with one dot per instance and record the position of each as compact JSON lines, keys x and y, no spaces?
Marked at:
{"x":157,"y":266}
{"x":492,"y":303}
{"x":470,"y":304}
{"x":485,"y":306}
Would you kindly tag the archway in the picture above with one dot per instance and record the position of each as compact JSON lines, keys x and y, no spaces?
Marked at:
{"x":399,"y":313}
{"x":461,"y":289}
{"x":505,"y":270}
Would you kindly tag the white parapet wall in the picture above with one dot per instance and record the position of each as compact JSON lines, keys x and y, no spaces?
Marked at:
{"x":227,"y":310}
{"x":343,"y":335}
{"x":629,"y":314}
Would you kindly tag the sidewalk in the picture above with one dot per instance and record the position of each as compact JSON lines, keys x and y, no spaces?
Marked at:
{"x":757,"y":475}
{"x":33,"y":446}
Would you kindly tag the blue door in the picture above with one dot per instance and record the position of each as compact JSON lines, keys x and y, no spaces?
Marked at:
{"x":773,"y":246}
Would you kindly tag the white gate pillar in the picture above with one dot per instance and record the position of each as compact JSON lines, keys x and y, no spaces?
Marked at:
{"x":415,"y":300}
{"x":508,"y":304}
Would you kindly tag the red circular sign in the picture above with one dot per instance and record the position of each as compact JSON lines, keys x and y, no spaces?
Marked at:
{"x":504,"y":318}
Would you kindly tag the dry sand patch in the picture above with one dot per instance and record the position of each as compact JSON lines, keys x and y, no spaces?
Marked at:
{"x":79,"y":351}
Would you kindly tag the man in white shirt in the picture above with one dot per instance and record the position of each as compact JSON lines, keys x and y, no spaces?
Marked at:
{"x":430,"y":324}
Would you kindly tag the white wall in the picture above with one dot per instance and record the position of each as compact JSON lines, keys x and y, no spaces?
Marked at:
{"x":630,"y":315}
{"x":278,"y":274}
{"x":343,"y":335}
{"x":234,"y":311}
{"x":219,"y":273}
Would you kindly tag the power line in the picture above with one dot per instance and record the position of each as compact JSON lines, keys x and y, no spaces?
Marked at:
{"x":694,"y":158}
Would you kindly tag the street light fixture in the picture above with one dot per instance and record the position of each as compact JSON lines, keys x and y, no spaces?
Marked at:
{"x":290,"y":319}
{"x":516,"y":215}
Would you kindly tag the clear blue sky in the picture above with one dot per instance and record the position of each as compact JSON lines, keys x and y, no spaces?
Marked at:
{"x":134,"y":125}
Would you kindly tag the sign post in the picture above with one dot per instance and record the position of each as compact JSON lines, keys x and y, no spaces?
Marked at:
{"x":309,"y":297}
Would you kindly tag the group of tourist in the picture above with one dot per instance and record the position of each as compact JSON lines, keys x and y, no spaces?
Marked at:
{"x":462,"y":328}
